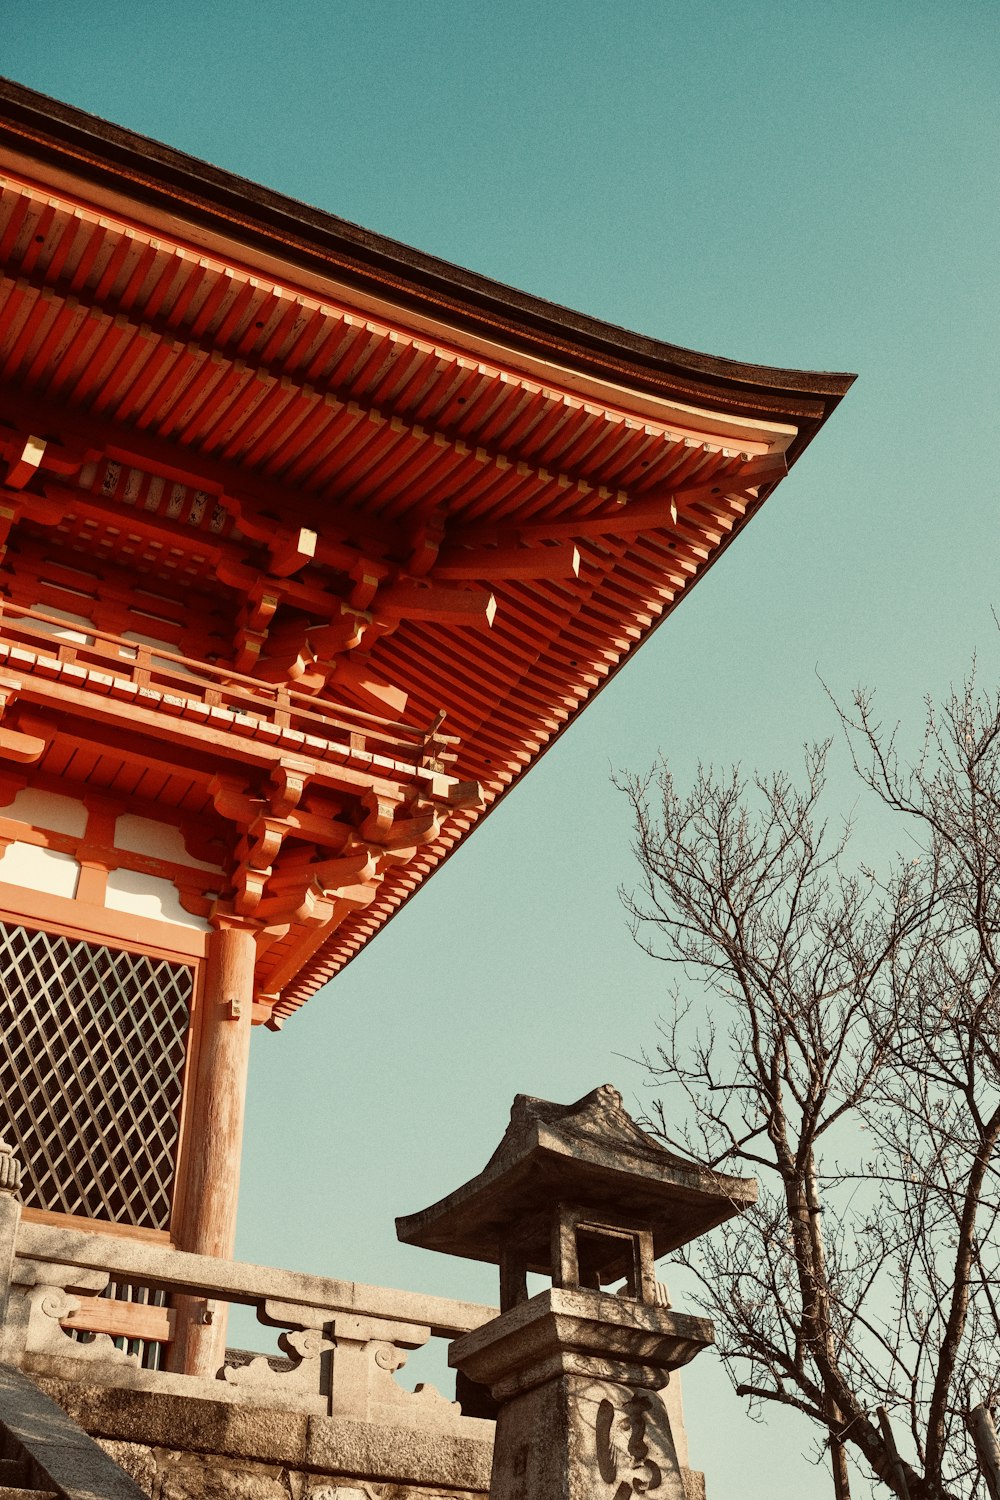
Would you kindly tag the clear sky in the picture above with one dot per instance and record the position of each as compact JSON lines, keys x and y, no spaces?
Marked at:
{"x":769,"y":180}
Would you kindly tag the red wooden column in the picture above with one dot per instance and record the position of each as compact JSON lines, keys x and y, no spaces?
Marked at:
{"x":214,"y":1132}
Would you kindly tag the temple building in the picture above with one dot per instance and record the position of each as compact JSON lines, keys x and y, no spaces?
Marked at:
{"x":311,"y":545}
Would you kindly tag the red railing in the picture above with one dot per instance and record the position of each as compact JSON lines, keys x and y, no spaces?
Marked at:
{"x":222,"y":687}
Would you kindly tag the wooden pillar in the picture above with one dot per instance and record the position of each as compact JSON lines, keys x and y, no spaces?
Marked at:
{"x":214,"y":1135}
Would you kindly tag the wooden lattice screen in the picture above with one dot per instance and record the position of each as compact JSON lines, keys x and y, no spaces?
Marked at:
{"x":92,"y":1046}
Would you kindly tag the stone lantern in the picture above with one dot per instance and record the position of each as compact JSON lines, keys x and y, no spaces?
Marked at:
{"x":580,"y":1194}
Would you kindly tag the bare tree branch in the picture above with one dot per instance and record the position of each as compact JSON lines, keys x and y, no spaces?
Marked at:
{"x":848,"y":1055}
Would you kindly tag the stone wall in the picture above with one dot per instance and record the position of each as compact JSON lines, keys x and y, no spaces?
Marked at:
{"x":168,"y":1475}
{"x":183,"y":1448}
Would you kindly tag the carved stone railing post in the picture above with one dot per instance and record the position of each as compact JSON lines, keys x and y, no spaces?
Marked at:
{"x":368,"y":1353}
{"x":10,"y":1219}
{"x":305,"y":1343}
{"x":10,"y":1171}
{"x":350,"y":1361}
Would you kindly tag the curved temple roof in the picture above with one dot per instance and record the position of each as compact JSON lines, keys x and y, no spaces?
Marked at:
{"x":506,"y":497}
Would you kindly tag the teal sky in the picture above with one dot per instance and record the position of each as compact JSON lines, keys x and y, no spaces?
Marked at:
{"x":785,"y":182}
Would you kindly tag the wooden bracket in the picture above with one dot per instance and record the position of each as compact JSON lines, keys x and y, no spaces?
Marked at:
{"x":291,"y":551}
{"x":561,"y":560}
{"x":403,"y":833}
{"x":232,"y":802}
{"x":447,"y":606}
{"x":264,"y":844}
{"x":427,"y":539}
{"x":381,"y":815}
{"x":10,"y":514}
{"x":27,"y":455}
{"x":27,"y":465}
{"x":368,"y":576}
{"x":23,"y":749}
{"x":288,"y":782}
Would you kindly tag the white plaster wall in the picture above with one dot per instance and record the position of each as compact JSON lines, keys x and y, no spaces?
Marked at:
{"x":158,"y":661}
{"x":82,"y":638}
{"x":39,"y":869}
{"x":49,"y":810}
{"x":149,"y":896}
{"x":159,"y":840}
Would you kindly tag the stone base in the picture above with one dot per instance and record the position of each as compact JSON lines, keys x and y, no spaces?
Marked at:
{"x":167,"y":1475}
{"x":578,"y":1375}
{"x":182,"y":1448}
{"x":576,"y":1438}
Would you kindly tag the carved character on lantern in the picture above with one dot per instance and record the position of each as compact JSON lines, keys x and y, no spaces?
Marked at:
{"x":622,"y":1451}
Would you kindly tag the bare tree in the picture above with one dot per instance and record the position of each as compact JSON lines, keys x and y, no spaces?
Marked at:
{"x":851,"y":1061}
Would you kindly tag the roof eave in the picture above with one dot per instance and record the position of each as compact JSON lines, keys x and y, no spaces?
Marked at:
{"x":256,"y":218}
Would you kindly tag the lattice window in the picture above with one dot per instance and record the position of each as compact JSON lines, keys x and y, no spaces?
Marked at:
{"x":92,"y":1045}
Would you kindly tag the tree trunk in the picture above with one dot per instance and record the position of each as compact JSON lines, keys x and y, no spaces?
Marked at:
{"x":984,"y":1435}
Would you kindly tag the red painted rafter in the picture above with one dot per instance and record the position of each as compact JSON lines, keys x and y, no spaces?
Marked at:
{"x":433,"y":483}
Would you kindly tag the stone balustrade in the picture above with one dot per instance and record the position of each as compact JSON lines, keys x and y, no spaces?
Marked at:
{"x":343,"y":1341}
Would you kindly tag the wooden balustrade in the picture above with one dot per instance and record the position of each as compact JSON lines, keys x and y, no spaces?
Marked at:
{"x":181,"y":677}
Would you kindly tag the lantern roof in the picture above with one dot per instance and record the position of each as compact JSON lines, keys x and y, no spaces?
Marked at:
{"x":590,"y":1154}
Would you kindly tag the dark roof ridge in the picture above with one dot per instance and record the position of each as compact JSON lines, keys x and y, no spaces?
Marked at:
{"x":110,"y":154}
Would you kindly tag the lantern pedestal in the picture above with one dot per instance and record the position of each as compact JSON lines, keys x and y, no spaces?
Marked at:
{"x":577,"y":1374}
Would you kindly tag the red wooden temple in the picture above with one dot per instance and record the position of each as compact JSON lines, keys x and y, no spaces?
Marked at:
{"x":312,"y":544}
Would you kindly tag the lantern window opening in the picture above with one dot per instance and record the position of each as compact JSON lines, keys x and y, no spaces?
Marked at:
{"x":593,"y":1252}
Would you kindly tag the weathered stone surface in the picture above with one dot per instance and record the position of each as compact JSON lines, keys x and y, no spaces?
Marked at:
{"x":10,"y":1169}
{"x":578,"y":1375}
{"x":179,"y":1422}
{"x":165,"y":1474}
{"x":327,"y":1489}
{"x":205,"y":1275}
{"x":580,"y":1331}
{"x":186,"y":1440}
{"x":136,"y":1461}
{"x":121,"y":1375}
{"x":10,"y":1221}
{"x":575,"y":1437}
{"x":66,"y":1457}
{"x":198,"y":1476}
{"x":401,"y":1454}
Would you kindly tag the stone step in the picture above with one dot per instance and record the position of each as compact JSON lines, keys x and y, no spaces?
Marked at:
{"x":13,"y":1472}
{"x":7,"y":1492}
